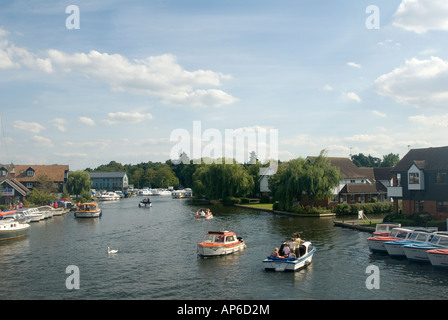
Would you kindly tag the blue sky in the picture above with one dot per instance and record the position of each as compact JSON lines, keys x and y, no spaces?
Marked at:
{"x":135,"y":71}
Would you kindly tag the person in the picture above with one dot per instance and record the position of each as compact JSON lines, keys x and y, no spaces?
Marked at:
{"x":292,"y":244}
{"x":291,"y":255}
{"x":286,"y":250}
{"x":275,"y":253}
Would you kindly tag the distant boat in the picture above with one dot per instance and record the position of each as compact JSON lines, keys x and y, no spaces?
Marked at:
{"x":88,"y":210}
{"x":32,"y":213}
{"x":220,"y":243}
{"x":145,"y":203}
{"x":204,"y":214}
{"x":11,"y":228}
{"x":109,"y":196}
{"x":145,"y":192}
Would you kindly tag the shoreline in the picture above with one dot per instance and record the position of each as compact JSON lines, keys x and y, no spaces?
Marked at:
{"x":314,"y":215}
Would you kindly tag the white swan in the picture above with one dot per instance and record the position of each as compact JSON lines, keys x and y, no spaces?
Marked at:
{"x":111,"y":251}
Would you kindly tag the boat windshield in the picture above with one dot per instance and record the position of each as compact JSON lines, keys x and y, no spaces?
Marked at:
{"x":399,"y":234}
{"x":218,"y":238}
{"x":443,"y":241}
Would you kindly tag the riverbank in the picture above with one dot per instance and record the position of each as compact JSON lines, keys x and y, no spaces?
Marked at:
{"x":268,"y":207}
{"x":356,"y":225}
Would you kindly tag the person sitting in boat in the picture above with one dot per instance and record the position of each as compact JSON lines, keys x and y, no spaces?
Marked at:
{"x":275,"y":253}
{"x":291,"y":255}
{"x":286,"y":249}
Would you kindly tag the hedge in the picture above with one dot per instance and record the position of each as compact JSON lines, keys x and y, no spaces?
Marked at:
{"x":368,"y":208}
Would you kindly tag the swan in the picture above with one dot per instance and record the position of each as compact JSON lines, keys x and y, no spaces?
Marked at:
{"x":111,"y":251}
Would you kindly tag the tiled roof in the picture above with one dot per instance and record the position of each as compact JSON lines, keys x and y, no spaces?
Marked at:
{"x":425,"y":158}
{"x":53,"y":172}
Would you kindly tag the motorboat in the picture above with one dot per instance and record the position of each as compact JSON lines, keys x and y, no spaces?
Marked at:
{"x":395,"y":248}
{"x":376,"y":244}
{"x":33,"y":213}
{"x":161,"y":192}
{"x":11,"y":228}
{"x":145,"y":192}
{"x":145,"y":203}
{"x":305,"y":258}
{"x":88,"y":210}
{"x":180,"y":194}
{"x":417,"y":252}
{"x":438,"y":257}
{"x":46,"y":211}
{"x":109,"y":196}
{"x":220,"y":243}
{"x":384,"y":228}
{"x":204,"y":214}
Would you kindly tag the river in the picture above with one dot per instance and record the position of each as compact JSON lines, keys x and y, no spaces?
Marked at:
{"x":157,"y":258}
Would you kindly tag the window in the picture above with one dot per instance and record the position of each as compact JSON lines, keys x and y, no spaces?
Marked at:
{"x":3,"y":173}
{"x":414,"y":178}
{"x":442,"y":206}
{"x":441,"y":177}
{"x":30,"y":173}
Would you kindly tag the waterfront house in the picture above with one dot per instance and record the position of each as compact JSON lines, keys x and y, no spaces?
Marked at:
{"x":420,"y":181}
{"x":109,"y":181}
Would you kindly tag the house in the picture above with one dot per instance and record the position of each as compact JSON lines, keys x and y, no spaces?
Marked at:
{"x":17,"y":181}
{"x":109,"y":181}
{"x":360,"y":185}
{"x":265,"y":174}
{"x":420,"y":181}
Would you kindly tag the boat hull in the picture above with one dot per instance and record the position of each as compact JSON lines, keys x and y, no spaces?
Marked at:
{"x":376,"y":244}
{"x":220,"y":250}
{"x":14,"y":233}
{"x":417,"y":253}
{"x":438,"y":257}
{"x":288,"y":264}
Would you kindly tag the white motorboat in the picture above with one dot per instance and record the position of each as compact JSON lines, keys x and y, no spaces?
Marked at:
{"x":417,"y":252}
{"x":395,"y":248}
{"x":376,"y":244}
{"x":438,"y":257}
{"x":161,"y":192}
{"x":109,"y":196}
{"x":145,"y":203}
{"x":11,"y":228}
{"x":46,"y":211}
{"x":32,"y":213}
{"x":220,"y":243}
{"x":291,"y":264}
{"x":145,"y":192}
{"x":384,"y":228}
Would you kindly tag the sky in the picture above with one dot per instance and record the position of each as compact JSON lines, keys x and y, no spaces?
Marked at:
{"x":84,"y":83}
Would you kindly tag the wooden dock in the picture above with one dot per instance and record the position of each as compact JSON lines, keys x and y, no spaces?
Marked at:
{"x":354,"y":224}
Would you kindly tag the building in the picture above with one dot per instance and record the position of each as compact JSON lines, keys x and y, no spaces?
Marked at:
{"x":17,"y":181}
{"x":420,"y":181}
{"x":109,"y":181}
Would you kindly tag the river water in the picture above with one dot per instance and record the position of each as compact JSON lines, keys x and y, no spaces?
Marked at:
{"x":157,"y":258}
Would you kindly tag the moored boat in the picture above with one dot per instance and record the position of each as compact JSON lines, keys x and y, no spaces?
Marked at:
{"x":11,"y":228}
{"x":395,"y":248}
{"x":109,"y":196}
{"x":417,"y":252}
{"x":204,"y":214}
{"x":376,"y":244}
{"x":220,"y":243}
{"x":438,"y":257}
{"x":32,"y":213}
{"x":294,"y":263}
{"x":88,"y":210}
{"x":384,"y":228}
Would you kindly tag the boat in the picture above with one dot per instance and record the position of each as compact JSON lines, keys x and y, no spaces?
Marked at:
{"x":109,"y":196}
{"x":438,"y":257}
{"x":384,"y":228}
{"x":32,"y":213}
{"x":180,"y":194}
{"x":145,"y":203}
{"x":145,"y":192}
{"x":46,"y":211}
{"x":395,"y":248}
{"x":376,"y":243}
{"x":11,"y":228}
{"x":88,"y":210}
{"x":204,"y":214}
{"x":291,"y":264}
{"x":220,"y":243}
{"x":417,"y":252}
{"x":161,"y":192}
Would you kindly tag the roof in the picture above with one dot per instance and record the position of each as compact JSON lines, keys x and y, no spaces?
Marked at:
{"x":364,"y":188}
{"x":99,"y":175}
{"x":53,"y":172}
{"x":347,"y":168}
{"x":425,"y":158}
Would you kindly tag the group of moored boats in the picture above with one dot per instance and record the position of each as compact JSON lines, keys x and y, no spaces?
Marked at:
{"x":415,"y":244}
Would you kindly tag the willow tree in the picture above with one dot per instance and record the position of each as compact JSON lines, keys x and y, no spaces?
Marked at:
{"x":79,"y":183}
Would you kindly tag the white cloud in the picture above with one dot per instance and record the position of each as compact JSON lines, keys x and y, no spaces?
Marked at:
{"x":160,"y":76}
{"x":33,"y":127}
{"x":421,"y":16}
{"x":421,"y":83}
{"x":59,"y":123}
{"x":351,"y":96}
{"x":379,"y":114}
{"x":42,"y":141}
{"x":327,"y":88}
{"x":436,"y":121}
{"x":354,"y":65}
{"x":128,"y":117}
{"x":87,"y":121}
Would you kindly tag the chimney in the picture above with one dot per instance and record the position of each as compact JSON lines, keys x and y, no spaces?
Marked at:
{"x":12,"y":174}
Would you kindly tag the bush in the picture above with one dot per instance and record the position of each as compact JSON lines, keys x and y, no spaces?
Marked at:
{"x":229,"y":201}
{"x":368,"y":208}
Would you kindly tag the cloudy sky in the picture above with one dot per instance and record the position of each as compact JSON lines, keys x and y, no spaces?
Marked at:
{"x":113,"y":80}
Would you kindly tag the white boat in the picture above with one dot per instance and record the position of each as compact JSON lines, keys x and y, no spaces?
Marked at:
{"x":395,"y":248}
{"x":376,"y":244}
{"x":438,"y":257}
{"x":291,"y":264}
{"x":417,"y":252}
{"x":161,"y":192}
{"x":88,"y":210}
{"x":145,"y":192}
{"x":47,"y":211}
{"x":220,"y":243}
{"x":109,"y":196}
{"x":145,"y":203}
{"x":180,"y":194}
{"x":384,"y":228}
{"x":11,"y":228}
{"x":32,"y":213}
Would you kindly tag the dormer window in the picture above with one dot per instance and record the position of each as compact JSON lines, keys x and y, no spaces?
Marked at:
{"x":3,"y":172}
{"x":414,"y":178}
{"x":30,"y":173}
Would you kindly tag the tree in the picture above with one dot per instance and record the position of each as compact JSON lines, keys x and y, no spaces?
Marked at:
{"x":390,"y":160}
{"x":79,"y":183}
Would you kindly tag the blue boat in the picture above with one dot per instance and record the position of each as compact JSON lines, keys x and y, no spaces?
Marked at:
{"x":395,"y":248}
{"x":416,"y":252}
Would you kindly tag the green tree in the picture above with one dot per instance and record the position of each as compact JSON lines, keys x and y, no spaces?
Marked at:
{"x":390,"y":160}
{"x":79,"y":183}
